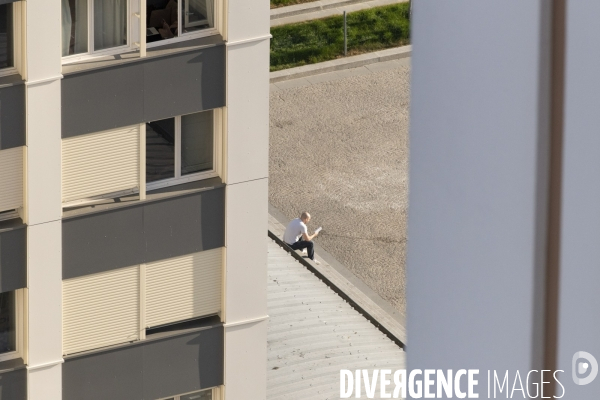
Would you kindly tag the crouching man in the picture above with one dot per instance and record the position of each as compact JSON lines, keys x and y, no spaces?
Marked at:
{"x":297,"y":237}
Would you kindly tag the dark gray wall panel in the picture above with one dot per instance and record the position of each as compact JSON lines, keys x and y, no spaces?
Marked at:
{"x":103,"y":241}
{"x":12,"y":116}
{"x":184,"y":363}
{"x":143,"y":91}
{"x":13,"y":385}
{"x":144,"y":232}
{"x":13,"y":259}
{"x":7,"y":1}
{"x":184,"y":83}
{"x":148,"y":370}
{"x":102,"y":99}
{"x":185,"y":225}
{"x":115,"y":375}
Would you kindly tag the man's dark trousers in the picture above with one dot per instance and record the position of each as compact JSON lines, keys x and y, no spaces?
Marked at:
{"x":305,"y":244}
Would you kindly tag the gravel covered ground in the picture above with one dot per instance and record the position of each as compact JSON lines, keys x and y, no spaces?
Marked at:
{"x":339,"y":150}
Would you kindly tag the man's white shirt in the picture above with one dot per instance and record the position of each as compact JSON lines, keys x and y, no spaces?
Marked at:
{"x":294,"y":231}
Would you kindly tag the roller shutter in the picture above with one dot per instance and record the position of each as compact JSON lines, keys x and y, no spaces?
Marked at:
{"x":11,"y":178}
{"x":101,"y":310}
{"x":100,"y":163}
{"x":184,"y":287}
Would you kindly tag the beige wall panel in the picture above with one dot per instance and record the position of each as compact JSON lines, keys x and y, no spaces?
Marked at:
{"x":43,"y":49}
{"x":11,"y":178}
{"x":101,"y":310}
{"x":246,"y":269}
{"x":44,"y":276}
{"x":43,"y":152}
{"x":100,"y":163}
{"x":183,"y":287}
{"x":248,"y":111}
{"x":45,"y":383}
{"x":246,"y":361}
{"x":247,"y":19}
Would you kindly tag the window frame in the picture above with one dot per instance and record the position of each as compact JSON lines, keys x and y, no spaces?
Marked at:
{"x":192,"y":35}
{"x":16,"y":15}
{"x":216,"y":394}
{"x":19,"y":336}
{"x":135,"y":13}
{"x":197,"y":176}
{"x":132,"y":7}
{"x":217,"y":170}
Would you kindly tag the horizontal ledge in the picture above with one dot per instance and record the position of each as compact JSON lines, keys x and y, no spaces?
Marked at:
{"x":251,"y":40}
{"x":45,"y":365}
{"x":45,"y":80}
{"x":246,"y":321}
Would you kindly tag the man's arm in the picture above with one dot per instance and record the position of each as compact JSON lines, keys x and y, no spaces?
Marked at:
{"x":307,"y":237}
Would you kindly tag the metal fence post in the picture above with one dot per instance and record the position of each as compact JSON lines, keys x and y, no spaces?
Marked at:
{"x":345,"y":36}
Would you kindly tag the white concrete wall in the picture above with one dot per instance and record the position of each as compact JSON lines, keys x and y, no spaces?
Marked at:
{"x":246,"y":157}
{"x":478,"y":184}
{"x":42,"y":200}
{"x":579,"y":325}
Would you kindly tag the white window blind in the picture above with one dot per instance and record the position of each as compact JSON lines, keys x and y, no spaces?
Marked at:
{"x":101,"y":310}
{"x":100,"y":163}
{"x":11,"y":178}
{"x":183,"y":287}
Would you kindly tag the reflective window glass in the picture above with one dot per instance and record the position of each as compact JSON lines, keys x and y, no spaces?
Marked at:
{"x":110,"y":24}
{"x":160,"y":150}
{"x":196,"y":142}
{"x":197,"y":14}
{"x":6,"y":36}
{"x":8,"y":334}
{"x":203,"y":395}
{"x":74,"y":27}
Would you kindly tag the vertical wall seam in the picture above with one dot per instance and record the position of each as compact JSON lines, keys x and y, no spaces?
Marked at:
{"x":555,"y":186}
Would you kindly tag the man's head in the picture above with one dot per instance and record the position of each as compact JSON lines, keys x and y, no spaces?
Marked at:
{"x":305,"y":217}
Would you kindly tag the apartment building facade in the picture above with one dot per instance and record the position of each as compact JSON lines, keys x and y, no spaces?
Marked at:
{"x":133,"y":199}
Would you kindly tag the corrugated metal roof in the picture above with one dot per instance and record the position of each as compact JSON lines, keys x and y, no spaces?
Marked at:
{"x":313,"y":333}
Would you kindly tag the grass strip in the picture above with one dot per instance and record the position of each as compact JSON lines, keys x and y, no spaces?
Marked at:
{"x":321,"y":40}
{"x":283,"y":3}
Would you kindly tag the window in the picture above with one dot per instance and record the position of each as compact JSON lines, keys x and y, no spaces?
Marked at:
{"x":90,"y":26}
{"x":180,"y":149}
{"x":10,"y":325}
{"x":7,"y":53}
{"x":207,"y":394}
{"x":164,"y":18}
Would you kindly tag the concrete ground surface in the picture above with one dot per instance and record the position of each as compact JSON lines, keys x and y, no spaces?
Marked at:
{"x":339,"y":149}
{"x":313,"y":333}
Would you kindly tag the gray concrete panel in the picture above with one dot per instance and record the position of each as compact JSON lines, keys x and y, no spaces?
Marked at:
{"x":477,"y":197}
{"x":184,"y":83}
{"x":148,"y":369}
{"x":12,"y":116}
{"x":183,"y":364}
{"x":185,"y":225}
{"x":102,"y":99}
{"x":13,"y":259}
{"x":13,"y":385}
{"x":103,"y":241}
{"x":144,"y":232}
{"x":143,"y":90}
{"x":579,"y":297}
{"x":115,"y":374}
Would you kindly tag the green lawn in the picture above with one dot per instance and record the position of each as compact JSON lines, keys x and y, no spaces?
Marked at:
{"x":283,"y":3}
{"x":322,"y":40}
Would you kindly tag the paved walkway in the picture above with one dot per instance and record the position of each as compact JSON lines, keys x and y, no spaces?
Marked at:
{"x":313,"y":333}
{"x":322,"y":9}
